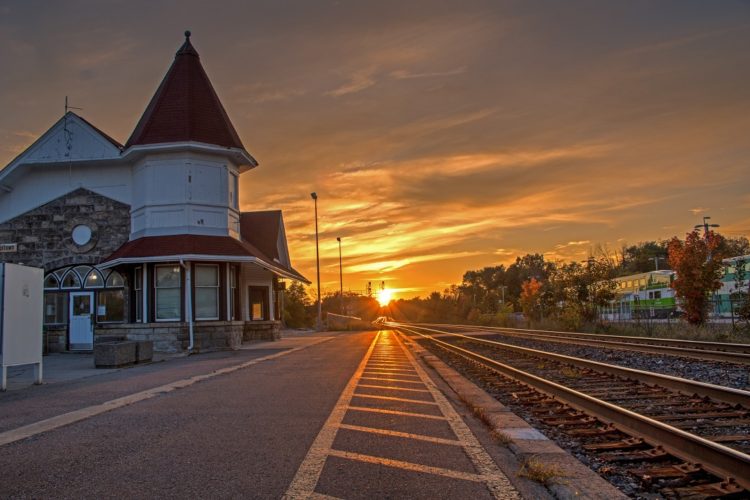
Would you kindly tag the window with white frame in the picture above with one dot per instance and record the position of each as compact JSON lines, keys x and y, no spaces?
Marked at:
{"x":233,"y":297}
{"x":167,"y":301}
{"x":138,"y":287}
{"x":206,"y":291}
{"x":55,"y":308}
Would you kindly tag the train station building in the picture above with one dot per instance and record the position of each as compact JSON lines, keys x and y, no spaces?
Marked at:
{"x":146,"y":240}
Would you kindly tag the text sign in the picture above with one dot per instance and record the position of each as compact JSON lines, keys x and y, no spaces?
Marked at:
{"x":8,"y":247}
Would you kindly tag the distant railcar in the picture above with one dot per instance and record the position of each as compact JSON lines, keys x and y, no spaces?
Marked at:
{"x":643,"y":296}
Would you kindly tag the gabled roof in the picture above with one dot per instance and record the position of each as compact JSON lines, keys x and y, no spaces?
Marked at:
{"x":71,"y":138}
{"x":196,"y":247}
{"x":185,"y":108}
{"x":261,"y":229}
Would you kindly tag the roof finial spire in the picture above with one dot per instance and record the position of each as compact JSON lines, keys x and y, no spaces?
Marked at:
{"x":187,"y":34}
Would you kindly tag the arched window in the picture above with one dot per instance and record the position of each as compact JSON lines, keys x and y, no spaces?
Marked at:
{"x":71,"y":280}
{"x":82,"y":271}
{"x":61,"y":272}
{"x":114,"y":280}
{"x":94,"y":280}
{"x":51,"y":283}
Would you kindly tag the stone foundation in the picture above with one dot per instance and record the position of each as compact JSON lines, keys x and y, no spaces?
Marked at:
{"x":175,"y":337}
{"x":261,"y":330}
{"x":55,"y":338}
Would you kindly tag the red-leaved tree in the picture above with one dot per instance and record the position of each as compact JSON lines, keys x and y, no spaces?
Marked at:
{"x":697,"y":262}
{"x":529,"y":299}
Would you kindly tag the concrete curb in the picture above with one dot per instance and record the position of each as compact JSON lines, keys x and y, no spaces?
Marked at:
{"x":579,"y":482}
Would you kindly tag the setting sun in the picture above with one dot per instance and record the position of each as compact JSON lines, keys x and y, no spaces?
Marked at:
{"x":384,"y":297}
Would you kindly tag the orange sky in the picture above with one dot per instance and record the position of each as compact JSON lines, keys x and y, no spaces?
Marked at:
{"x":440,"y":136}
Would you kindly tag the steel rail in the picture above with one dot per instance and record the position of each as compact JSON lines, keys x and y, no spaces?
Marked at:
{"x":685,"y":386}
{"x":696,"y":344}
{"x":738,"y":353}
{"x":716,"y":458}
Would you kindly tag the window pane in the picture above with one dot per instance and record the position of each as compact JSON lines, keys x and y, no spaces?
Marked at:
{"x":139,"y":305}
{"x":55,"y":308}
{"x":167,"y":277}
{"x":168,"y":303}
{"x":257,"y":311}
{"x":111,"y":305}
{"x":206,"y":303}
{"x":94,"y":280}
{"x":71,"y":280}
{"x":50,"y":281}
{"x":206,"y":276}
{"x":114,"y":280}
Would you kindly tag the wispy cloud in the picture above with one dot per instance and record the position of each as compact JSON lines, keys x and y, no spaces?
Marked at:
{"x":402,"y":74}
{"x":358,"y":82}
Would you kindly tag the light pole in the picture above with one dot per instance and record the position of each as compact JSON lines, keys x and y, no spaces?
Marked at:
{"x":319,"y":325}
{"x":705,"y":226}
{"x":656,"y":260}
{"x":341,"y":277}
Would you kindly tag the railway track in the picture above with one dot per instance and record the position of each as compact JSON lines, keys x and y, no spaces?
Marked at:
{"x":684,"y":438}
{"x":712,"y":351}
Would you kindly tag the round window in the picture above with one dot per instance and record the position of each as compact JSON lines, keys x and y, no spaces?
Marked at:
{"x":81,"y":235}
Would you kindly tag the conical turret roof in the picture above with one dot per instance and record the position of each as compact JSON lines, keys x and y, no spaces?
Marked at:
{"x":185,"y":107}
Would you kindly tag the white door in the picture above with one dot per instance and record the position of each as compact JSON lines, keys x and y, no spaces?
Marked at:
{"x":81,"y":321}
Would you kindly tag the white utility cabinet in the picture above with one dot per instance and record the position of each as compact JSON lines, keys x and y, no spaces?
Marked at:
{"x":21,"y":302}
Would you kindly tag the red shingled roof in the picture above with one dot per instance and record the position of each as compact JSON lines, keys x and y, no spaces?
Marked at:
{"x":261,"y":229}
{"x":185,"y":107}
{"x":195,"y":245}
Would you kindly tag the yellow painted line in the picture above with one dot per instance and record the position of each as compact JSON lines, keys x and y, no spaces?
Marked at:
{"x":391,"y":398}
{"x":392,"y":388}
{"x":396,"y":412}
{"x":392,"y":379}
{"x":406,"y":435}
{"x":304,"y":481}
{"x":410,"y":466}
{"x":498,"y":483}
{"x":399,"y":373}
{"x":72,"y":417}
{"x":390,"y":368}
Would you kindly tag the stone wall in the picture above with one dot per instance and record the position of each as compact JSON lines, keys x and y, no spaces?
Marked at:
{"x":175,"y":337}
{"x":55,"y":338}
{"x":44,"y":235}
{"x":261,"y":330}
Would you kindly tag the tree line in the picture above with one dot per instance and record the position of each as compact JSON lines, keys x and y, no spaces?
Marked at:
{"x":568,"y":293}
{"x":572,"y":293}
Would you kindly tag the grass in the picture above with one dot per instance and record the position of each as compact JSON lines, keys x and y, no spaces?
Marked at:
{"x":675,"y":329}
{"x":534,"y":469}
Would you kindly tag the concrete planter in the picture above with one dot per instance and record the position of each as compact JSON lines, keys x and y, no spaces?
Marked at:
{"x":144,"y":351}
{"x":114,"y":354}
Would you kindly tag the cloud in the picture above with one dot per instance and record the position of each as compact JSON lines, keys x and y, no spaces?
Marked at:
{"x":358,"y":82}
{"x":402,"y":74}
{"x":392,"y":265}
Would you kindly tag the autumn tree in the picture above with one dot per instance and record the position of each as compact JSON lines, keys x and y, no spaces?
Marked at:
{"x":531,"y":291}
{"x":697,"y":262}
{"x":295,"y":303}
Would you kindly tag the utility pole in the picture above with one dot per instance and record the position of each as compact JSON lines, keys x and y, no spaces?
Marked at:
{"x":705,"y":226}
{"x":319,"y":325}
{"x":706,"y":229}
{"x":341,"y":277}
{"x":656,"y":261}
